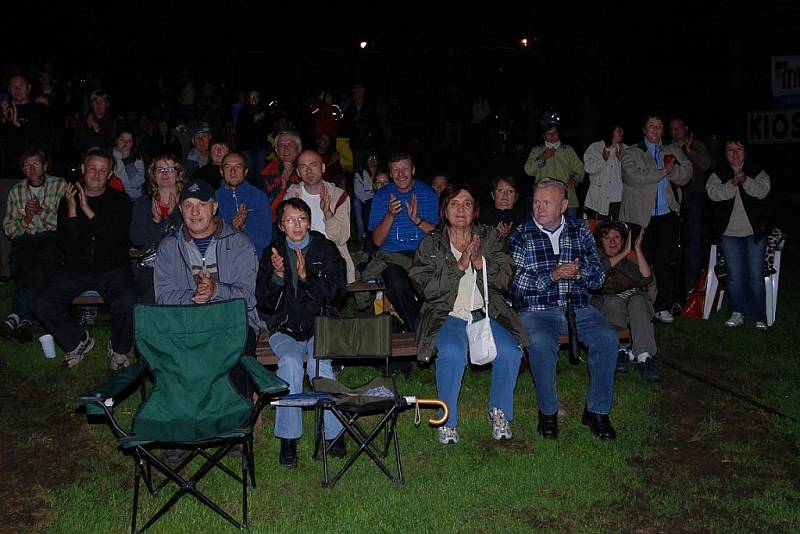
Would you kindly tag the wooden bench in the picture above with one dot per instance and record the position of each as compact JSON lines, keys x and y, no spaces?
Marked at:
{"x":403,"y":346}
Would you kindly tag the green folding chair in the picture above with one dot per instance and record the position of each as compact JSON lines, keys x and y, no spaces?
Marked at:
{"x":362,"y":338}
{"x":190,"y":352}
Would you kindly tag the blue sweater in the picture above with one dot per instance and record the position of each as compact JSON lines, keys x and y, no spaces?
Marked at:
{"x":259,"y":217}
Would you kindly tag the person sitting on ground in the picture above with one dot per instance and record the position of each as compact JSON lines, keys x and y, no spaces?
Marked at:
{"x":242,"y":205}
{"x":330,"y":205}
{"x":300,"y":276}
{"x":503,"y":215}
{"x":627,"y":296}
{"x":93,"y":226}
{"x":128,"y":165}
{"x":219,"y":147}
{"x":446,"y":273}
{"x":208,"y":261}
{"x":154,"y":217}
{"x":30,"y":223}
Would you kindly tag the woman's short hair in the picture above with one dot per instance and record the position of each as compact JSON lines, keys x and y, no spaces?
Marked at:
{"x":452,"y":191}
{"x":605,"y":227}
{"x":510,"y":180}
{"x":296,"y":203}
{"x":180,"y":174}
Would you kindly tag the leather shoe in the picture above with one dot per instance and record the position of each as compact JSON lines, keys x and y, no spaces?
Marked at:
{"x":599,"y":424}
{"x":548,"y":425}
{"x":288,"y":455}
{"x":336,"y":448}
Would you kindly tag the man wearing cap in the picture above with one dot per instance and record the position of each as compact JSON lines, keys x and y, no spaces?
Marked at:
{"x":243,"y":206}
{"x":92,"y":232}
{"x":198,"y":156}
{"x":206,"y":260}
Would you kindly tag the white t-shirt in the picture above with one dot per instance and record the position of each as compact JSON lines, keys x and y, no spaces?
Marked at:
{"x":317,"y":218}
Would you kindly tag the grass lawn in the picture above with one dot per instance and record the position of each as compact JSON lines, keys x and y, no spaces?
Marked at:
{"x":687,"y":457}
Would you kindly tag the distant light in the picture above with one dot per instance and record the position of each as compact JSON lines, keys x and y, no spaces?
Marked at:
{"x":363,"y":44}
{"x":524,"y":41}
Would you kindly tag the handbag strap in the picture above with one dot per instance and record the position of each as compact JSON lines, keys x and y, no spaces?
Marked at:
{"x":485,"y":290}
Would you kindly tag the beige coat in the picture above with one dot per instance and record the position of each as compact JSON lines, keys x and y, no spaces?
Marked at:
{"x":337,"y":228}
{"x":640,"y":182}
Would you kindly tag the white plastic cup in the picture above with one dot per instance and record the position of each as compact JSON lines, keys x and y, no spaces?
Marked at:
{"x":48,"y":345}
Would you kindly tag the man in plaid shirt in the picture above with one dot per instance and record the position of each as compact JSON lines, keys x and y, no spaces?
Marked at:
{"x":30,"y":224}
{"x":556,"y":257}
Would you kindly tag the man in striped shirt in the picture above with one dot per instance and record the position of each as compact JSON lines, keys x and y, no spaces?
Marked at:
{"x":556,"y":258}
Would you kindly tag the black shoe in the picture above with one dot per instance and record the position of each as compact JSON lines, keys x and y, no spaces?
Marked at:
{"x":599,"y":424}
{"x":548,"y":425}
{"x":288,"y":456}
{"x":24,"y":332}
{"x":622,"y":362}
{"x":338,"y":449}
{"x":648,"y":370}
{"x":8,"y":327}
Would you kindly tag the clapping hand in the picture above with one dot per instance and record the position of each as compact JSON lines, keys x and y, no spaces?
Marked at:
{"x":411,"y":209}
{"x":567,"y":271}
{"x":240,"y":219}
{"x":277,"y":263}
{"x":206,"y":287}
{"x":301,"y":264}
{"x":504,"y":228}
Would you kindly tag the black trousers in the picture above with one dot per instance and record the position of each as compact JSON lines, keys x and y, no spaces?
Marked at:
{"x":115,"y":286}
{"x":401,"y":295}
{"x":34,"y":260}
{"x":660,"y":247}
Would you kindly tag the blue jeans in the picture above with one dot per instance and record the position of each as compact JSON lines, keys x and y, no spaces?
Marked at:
{"x":289,"y":421}
{"x":544,"y":327}
{"x":452,"y":345}
{"x":744,"y":261}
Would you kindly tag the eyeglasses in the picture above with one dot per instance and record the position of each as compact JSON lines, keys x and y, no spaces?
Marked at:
{"x":295,"y":221}
{"x":165,"y":170}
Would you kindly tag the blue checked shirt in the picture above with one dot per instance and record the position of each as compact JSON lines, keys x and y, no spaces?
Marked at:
{"x":533,"y":287}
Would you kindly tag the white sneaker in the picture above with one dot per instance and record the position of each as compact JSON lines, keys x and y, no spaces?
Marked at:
{"x":761,"y":325}
{"x":448,"y":435}
{"x":737,"y":319}
{"x":73,"y":357}
{"x":665,"y":317}
{"x":117,"y":361}
{"x":501,"y":429}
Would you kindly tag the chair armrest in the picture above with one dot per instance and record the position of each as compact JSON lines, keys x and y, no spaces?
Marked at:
{"x":265,"y":381}
{"x":106,"y":392}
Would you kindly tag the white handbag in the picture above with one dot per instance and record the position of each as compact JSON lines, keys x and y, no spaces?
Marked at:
{"x":482,"y":349}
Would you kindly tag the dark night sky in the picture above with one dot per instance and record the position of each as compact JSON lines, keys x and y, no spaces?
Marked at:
{"x":625,"y":58}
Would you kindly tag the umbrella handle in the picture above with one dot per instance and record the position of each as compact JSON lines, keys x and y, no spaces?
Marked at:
{"x":438,"y":404}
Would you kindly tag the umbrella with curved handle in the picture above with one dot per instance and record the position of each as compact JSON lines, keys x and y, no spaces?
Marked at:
{"x":434,"y":403}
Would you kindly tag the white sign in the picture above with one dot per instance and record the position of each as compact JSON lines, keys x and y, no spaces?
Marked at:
{"x":773,"y":126}
{"x":785,"y":76}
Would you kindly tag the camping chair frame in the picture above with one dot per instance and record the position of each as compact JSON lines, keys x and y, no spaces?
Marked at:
{"x":101,"y":401}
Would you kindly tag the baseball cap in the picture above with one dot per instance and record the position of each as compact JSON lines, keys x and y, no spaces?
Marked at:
{"x":198,"y":189}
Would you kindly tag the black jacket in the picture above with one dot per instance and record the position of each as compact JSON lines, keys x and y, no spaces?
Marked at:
{"x":758,"y":210}
{"x":294,"y":308}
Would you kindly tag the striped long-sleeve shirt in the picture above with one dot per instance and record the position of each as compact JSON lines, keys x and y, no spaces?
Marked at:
{"x":533,"y":287}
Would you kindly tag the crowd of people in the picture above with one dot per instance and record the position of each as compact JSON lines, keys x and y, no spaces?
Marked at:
{"x":254,"y":215}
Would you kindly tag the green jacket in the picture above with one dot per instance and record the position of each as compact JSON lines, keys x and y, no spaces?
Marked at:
{"x":565,"y":164}
{"x":435,"y":276}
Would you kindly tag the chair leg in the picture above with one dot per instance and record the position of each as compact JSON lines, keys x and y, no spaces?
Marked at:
{"x":244,"y":486}
{"x":400,"y":477}
{"x":250,"y":452}
{"x":137,"y":475}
